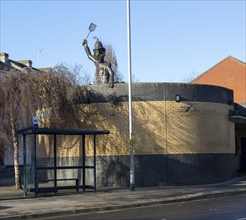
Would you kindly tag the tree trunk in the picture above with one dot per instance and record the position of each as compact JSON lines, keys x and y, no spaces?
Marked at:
{"x":16,"y":153}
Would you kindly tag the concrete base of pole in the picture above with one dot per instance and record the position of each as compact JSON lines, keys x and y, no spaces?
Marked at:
{"x":132,"y":187}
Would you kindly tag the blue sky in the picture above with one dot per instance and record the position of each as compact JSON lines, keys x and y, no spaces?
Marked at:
{"x":171,"y":40}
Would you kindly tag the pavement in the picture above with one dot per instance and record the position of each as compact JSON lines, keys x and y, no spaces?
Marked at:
{"x":14,"y":205}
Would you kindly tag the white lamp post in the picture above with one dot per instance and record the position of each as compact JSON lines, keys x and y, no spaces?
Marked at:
{"x":132,"y":167}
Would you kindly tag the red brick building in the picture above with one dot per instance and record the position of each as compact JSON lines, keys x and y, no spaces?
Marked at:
{"x":231,"y":73}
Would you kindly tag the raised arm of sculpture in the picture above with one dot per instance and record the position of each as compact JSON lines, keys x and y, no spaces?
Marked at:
{"x":87,"y":50}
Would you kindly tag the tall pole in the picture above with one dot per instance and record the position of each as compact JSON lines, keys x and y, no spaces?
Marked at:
{"x":132,"y":168}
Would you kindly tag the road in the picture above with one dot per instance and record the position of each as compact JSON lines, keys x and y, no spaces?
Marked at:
{"x":226,"y":208}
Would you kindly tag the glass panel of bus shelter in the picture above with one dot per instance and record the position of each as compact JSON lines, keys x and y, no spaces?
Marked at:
{"x":68,"y":151}
{"x":45,"y":157}
{"x":29,"y":163}
{"x":89,"y":160}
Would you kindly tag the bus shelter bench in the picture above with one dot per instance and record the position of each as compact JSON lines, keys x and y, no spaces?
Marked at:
{"x":67,"y":179}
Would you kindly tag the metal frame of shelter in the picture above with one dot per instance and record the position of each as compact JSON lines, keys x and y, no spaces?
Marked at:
{"x":51,"y":131}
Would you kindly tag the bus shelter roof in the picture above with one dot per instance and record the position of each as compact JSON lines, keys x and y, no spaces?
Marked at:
{"x":60,"y":131}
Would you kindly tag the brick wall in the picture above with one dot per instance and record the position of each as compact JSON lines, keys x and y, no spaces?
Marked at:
{"x":162,"y":127}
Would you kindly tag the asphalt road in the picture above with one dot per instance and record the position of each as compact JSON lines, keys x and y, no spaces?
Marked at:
{"x":226,"y":208}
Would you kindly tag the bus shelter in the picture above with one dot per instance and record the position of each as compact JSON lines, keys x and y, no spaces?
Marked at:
{"x":46,"y":170}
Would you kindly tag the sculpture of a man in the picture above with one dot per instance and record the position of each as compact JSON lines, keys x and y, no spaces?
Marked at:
{"x":104,"y":72}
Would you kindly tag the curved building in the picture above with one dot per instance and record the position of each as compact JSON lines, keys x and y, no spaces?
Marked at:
{"x":184,"y":134}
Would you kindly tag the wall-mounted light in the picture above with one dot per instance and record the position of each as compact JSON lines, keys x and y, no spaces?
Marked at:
{"x":177,"y":98}
{"x":187,"y":108}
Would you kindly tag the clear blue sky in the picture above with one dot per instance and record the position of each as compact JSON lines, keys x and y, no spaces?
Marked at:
{"x":171,"y":40}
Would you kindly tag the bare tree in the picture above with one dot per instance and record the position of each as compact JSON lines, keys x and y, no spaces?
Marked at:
{"x":110,"y":57}
{"x":190,"y":78}
{"x":80,"y":76}
{"x":23,"y":93}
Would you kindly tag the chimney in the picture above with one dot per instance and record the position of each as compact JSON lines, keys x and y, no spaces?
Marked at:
{"x":27,"y":63}
{"x":4,"y":57}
